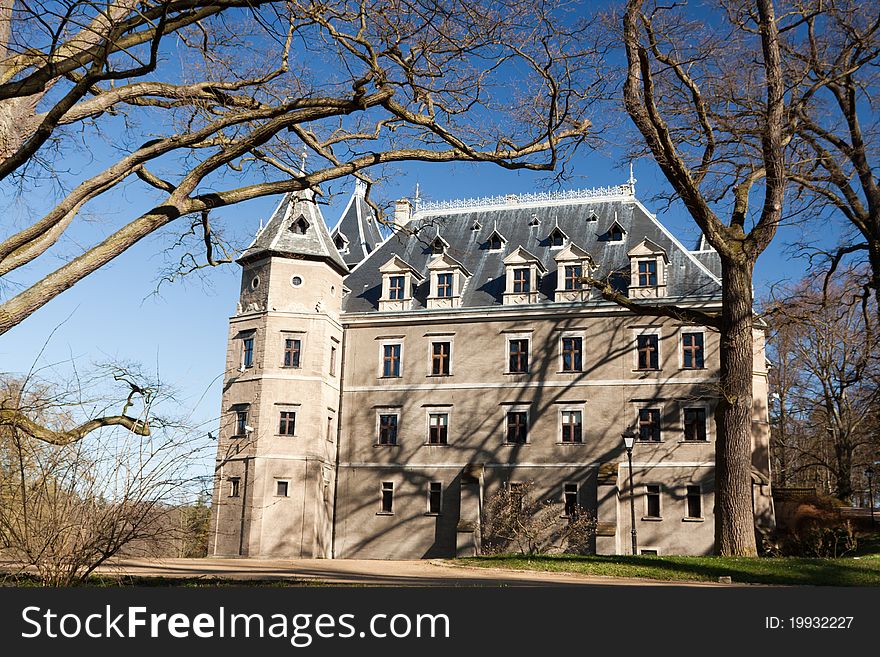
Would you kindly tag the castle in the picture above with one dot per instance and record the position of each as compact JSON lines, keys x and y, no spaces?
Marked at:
{"x":379,"y":390}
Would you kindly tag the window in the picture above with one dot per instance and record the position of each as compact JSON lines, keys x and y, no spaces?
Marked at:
{"x":241,"y":416}
{"x":647,"y":346}
{"x":649,"y":425}
{"x":571,"y":427}
{"x":438,"y":424}
{"x":281,"y":488}
{"x":435,"y":497}
{"x":444,"y":285}
{"x":647,"y":273}
{"x":387,"y":499}
{"x":692,"y":351}
{"x":573,"y":273}
{"x":517,"y":427}
{"x":570,"y":499}
{"x":299,"y":226}
{"x":571,"y":354}
{"x":388,"y":429}
{"x":234,"y":486}
{"x":521,"y":280}
{"x":332,"y":360}
{"x":292,"y":352}
{"x":288,"y":423}
{"x":652,"y":501}
{"x":557,"y":238}
{"x":437,"y":246}
{"x":695,"y":424}
{"x":330,"y":429}
{"x":518,"y":351}
{"x":615,"y":234}
{"x":694,"y":502}
{"x":247,"y":352}
{"x":391,"y":360}
{"x":440,"y":357}
{"x":396,"y":285}
{"x":517,"y":492}
{"x":495,"y":242}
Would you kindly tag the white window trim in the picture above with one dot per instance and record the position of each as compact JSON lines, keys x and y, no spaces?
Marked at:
{"x":407,"y":286}
{"x":386,"y":410}
{"x":278,"y":480}
{"x":277,"y":408}
{"x":381,"y":368}
{"x":250,"y":335}
{"x":431,"y":340}
{"x":438,"y":410}
{"x":685,"y":516}
{"x":568,"y":408}
{"x":516,"y":408}
{"x":571,"y":334}
{"x":292,"y":335}
{"x":636,"y":332}
{"x":664,"y":429}
{"x":577,"y":500}
{"x":690,"y":329}
{"x":381,"y":511}
{"x":645,"y":515}
{"x":232,"y":481}
{"x":659,"y":271}
{"x":650,"y":547}
{"x":517,"y":336}
{"x":428,"y":511}
{"x":705,"y":406}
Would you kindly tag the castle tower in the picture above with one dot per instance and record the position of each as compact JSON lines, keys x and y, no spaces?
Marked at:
{"x":357,"y":234}
{"x":274,"y":478}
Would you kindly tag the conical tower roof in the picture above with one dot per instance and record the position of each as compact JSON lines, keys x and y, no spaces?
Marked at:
{"x":296,"y":230}
{"x":357,"y":231}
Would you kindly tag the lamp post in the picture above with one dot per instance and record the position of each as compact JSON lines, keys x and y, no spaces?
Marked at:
{"x":869,"y":473}
{"x":629,"y":439}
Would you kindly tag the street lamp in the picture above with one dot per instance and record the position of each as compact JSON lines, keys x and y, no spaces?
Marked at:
{"x":629,"y":439}
{"x":869,"y":473}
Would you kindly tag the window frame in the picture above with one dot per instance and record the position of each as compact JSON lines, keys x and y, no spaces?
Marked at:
{"x":248,"y":350}
{"x":234,"y":487}
{"x":282,"y":421}
{"x":278,"y":483}
{"x":695,"y":407}
{"x":647,"y":333}
{"x":386,"y":487}
{"x":518,"y":410}
{"x":647,"y":278}
{"x":445,"y":290}
{"x":240,"y":423}
{"x":292,"y":337}
{"x":432,"y":357}
{"x":442,"y":428}
{"x":572,"y":279}
{"x":334,"y":356}
{"x":387,"y":412}
{"x":521,"y":285}
{"x":528,"y":353}
{"x":439,"y":498}
{"x":580,"y":353}
{"x":560,"y":435}
{"x":390,"y":343}
{"x":648,"y":495}
{"x":659,"y":424}
{"x":689,"y":494}
{"x":566,"y":492}
{"x":688,"y":331}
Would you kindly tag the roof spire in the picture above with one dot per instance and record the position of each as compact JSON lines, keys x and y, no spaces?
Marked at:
{"x":360,"y":188}
{"x":417,"y":199}
{"x":302,"y":160}
{"x":632,"y":179}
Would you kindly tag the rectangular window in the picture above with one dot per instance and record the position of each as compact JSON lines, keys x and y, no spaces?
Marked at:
{"x":571,"y":427}
{"x":330,"y":429}
{"x":518,"y":351}
{"x":438,"y":424}
{"x":444,"y":285}
{"x":281,"y":488}
{"x":517,"y":427}
{"x":391,"y":360}
{"x":234,"y":487}
{"x":573,"y":274}
{"x":648,"y":346}
{"x":649,"y":425}
{"x":572,"y":349}
{"x":692,"y":351}
{"x":247,"y":352}
{"x":440,"y":353}
{"x":521,"y":280}
{"x":241,"y":416}
{"x":647,"y":273}
{"x":396,"y":288}
{"x":387,"y":500}
{"x":292,"y":352}
{"x":694,"y":502}
{"x":695,"y":424}
{"x":517,"y":493}
{"x":388,"y":429}
{"x":652,"y":501}
{"x":332,"y":360}
{"x":570,"y":494}
{"x":435,"y":497}
{"x":288,"y":423}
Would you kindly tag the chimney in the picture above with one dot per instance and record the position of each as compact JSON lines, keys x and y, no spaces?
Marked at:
{"x":402,"y":212}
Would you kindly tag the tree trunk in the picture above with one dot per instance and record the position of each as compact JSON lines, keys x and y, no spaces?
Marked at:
{"x":874,"y":259}
{"x":843,"y":474}
{"x":734,"y":517}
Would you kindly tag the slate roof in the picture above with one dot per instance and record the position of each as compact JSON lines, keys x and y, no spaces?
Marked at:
{"x":278,"y":237}
{"x":358,"y":227}
{"x":688,"y":275}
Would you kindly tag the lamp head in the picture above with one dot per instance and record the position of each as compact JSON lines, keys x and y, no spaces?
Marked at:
{"x":629,"y":438}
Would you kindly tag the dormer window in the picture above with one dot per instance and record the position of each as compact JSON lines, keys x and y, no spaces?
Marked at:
{"x":573,"y":264}
{"x":398,"y":278}
{"x":437,"y":246}
{"x":647,"y":271}
{"x":522,"y":271}
{"x":592,"y":216}
{"x":476,"y":226}
{"x":557,"y":238}
{"x":496,"y":241}
{"x":534,"y":220}
{"x":341,"y":243}
{"x":448,"y":280}
{"x":300,"y":225}
{"x":615,"y":233}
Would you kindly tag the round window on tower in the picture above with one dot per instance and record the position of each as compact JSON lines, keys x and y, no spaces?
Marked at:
{"x":255,"y":282}
{"x":296,"y":281}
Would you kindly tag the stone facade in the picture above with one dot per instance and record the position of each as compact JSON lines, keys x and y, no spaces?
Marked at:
{"x":424,"y":385}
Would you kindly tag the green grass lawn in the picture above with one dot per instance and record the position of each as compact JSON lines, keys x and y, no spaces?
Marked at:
{"x":847,"y":571}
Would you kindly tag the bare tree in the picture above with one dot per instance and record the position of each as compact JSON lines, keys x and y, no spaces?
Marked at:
{"x":70,"y":506}
{"x":825,"y":343}
{"x":709,"y":106}
{"x":223,"y":112}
